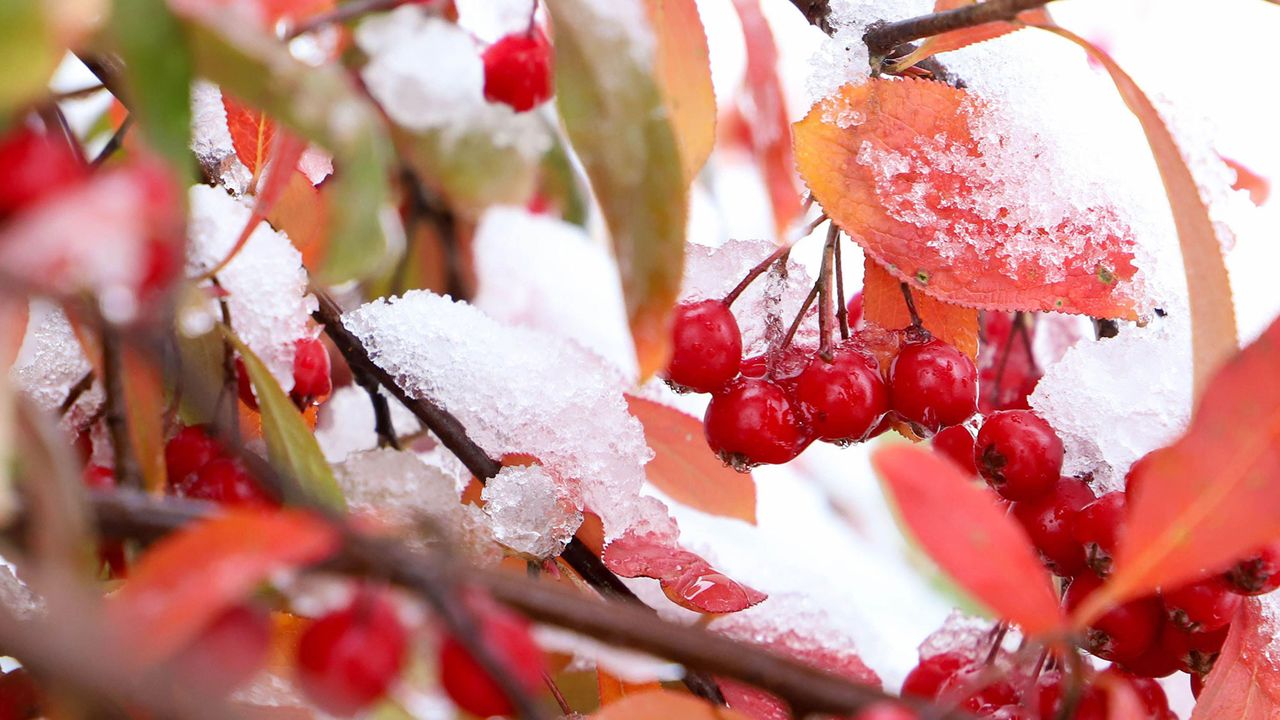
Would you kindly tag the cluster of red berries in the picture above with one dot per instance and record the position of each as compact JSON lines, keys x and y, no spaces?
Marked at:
{"x":765,"y":411}
{"x":198,"y":468}
{"x":1075,"y":532}
{"x":517,"y":70}
{"x":958,"y":680}
{"x":349,"y":658}
{"x":312,"y":378}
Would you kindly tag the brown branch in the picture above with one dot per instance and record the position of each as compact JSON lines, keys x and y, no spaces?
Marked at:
{"x":344,"y":13}
{"x":117,"y":425}
{"x":882,"y":38}
{"x":816,"y":12}
{"x":75,"y":392}
{"x":127,"y":514}
{"x":114,"y":144}
{"x":455,"y":438}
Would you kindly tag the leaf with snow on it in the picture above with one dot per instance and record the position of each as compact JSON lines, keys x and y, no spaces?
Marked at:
{"x":898,"y":165}
{"x":50,"y":362}
{"x":686,"y":578}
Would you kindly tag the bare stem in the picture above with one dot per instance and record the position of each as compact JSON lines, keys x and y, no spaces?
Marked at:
{"x":117,"y":425}
{"x":826,"y":308}
{"x":114,"y":144}
{"x":911,"y":306}
{"x":74,"y":394}
{"x":842,"y":304}
{"x":756,"y":272}
{"x":804,"y":308}
{"x":882,"y":38}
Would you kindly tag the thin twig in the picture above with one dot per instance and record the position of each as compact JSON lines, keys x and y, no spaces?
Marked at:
{"x":343,"y":13}
{"x":382,"y":424}
{"x":804,"y":308}
{"x":826,"y":296}
{"x":117,"y":426}
{"x":76,"y":391}
{"x":882,"y":38}
{"x":756,"y":272}
{"x":114,"y":144}
{"x":911,"y":306}
{"x":842,"y":304}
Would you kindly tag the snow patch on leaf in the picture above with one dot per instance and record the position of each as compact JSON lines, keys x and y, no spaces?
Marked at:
{"x":50,"y":362}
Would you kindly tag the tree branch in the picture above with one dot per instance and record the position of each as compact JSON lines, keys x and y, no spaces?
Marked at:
{"x":882,"y":38}
{"x":454,"y":437}
{"x":128,"y":514}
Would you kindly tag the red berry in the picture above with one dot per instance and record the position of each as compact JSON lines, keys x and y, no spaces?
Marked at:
{"x":933,"y":385}
{"x":854,"y":310}
{"x":20,"y":697}
{"x":1257,"y":574}
{"x":1149,"y":692}
{"x":1202,"y":606}
{"x":1193,"y":652}
{"x":517,"y":70}
{"x":956,"y":444}
{"x":506,"y":637}
{"x":843,"y":399}
{"x":1156,"y":662}
{"x":348,"y":658}
{"x":927,"y":679}
{"x":1050,"y":520}
{"x":1197,"y":684}
{"x":226,"y":481}
{"x":35,"y":167}
{"x":753,"y":422}
{"x":187,"y":452}
{"x":886,"y":711}
{"x":1050,"y":690}
{"x":1019,"y":454}
{"x":229,"y":651}
{"x":1125,"y":632}
{"x":99,"y":477}
{"x":978,"y":698}
{"x":310,"y":372}
{"x":706,"y":346}
{"x":1097,"y":528}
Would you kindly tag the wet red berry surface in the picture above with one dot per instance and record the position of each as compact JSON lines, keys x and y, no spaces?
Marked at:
{"x":753,"y":422}
{"x":1018,"y":454}
{"x":706,"y":347}
{"x":843,"y":399}
{"x":933,"y":385}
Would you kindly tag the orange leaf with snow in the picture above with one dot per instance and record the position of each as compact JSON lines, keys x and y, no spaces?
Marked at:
{"x":884,"y":305}
{"x":899,"y":165}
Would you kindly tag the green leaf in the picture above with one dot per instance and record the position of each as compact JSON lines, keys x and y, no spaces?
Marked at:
{"x":322,"y":105}
{"x":28,"y":53}
{"x":619,"y":125}
{"x":291,"y":445}
{"x":157,"y":70}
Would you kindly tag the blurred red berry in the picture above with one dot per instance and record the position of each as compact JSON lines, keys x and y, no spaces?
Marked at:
{"x":506,"y":637}
{"x":517,"y":70}
{"x":956,"y":444}
{"x":187,"y":452}
{"x":348,"y":658}
{"x":35,"y":167}
{"x":229,"y":651}
{"x":311,"y":379}
{"x":1257,"y":574}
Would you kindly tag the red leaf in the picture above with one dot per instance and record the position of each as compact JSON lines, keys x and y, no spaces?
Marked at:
{"x":251,"y":134}
{"x":1213,"y":317}
{"x":185,"y":580}
{"x":684,"y":470}
{"x":687,"y":579}
{"x":766,"y":118}
{"x":960,"y":526}
{"x":928,"y":236}
{"x":1258,"y":187}
{"x":884,"y":305}
{"x":1214,"y":495}
{"x":1245,"y":681}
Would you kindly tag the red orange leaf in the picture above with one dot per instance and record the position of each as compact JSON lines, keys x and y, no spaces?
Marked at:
{"x":1213,"y":318}
{"x":1212,"y":496}
{"x":612,"y":688}
{"x":251,"y":133}
{"x":1245,"y":681}
{"x":884,"y":305}
{"x":144,"y":404}
{"x":960,"y":526}
{"x":964,"y":37}
{"x":185,"y":580}
{"x":684,"y":470}
{"x":866,"y":154}
{"x":683,"y":70}
{"x":687,"y":579}
{"x":302,"y":213}
{"x":13,"y":327}
{"x":766,"y":118}
{"x":1258,"y":187}
{"x":664,"y":704}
